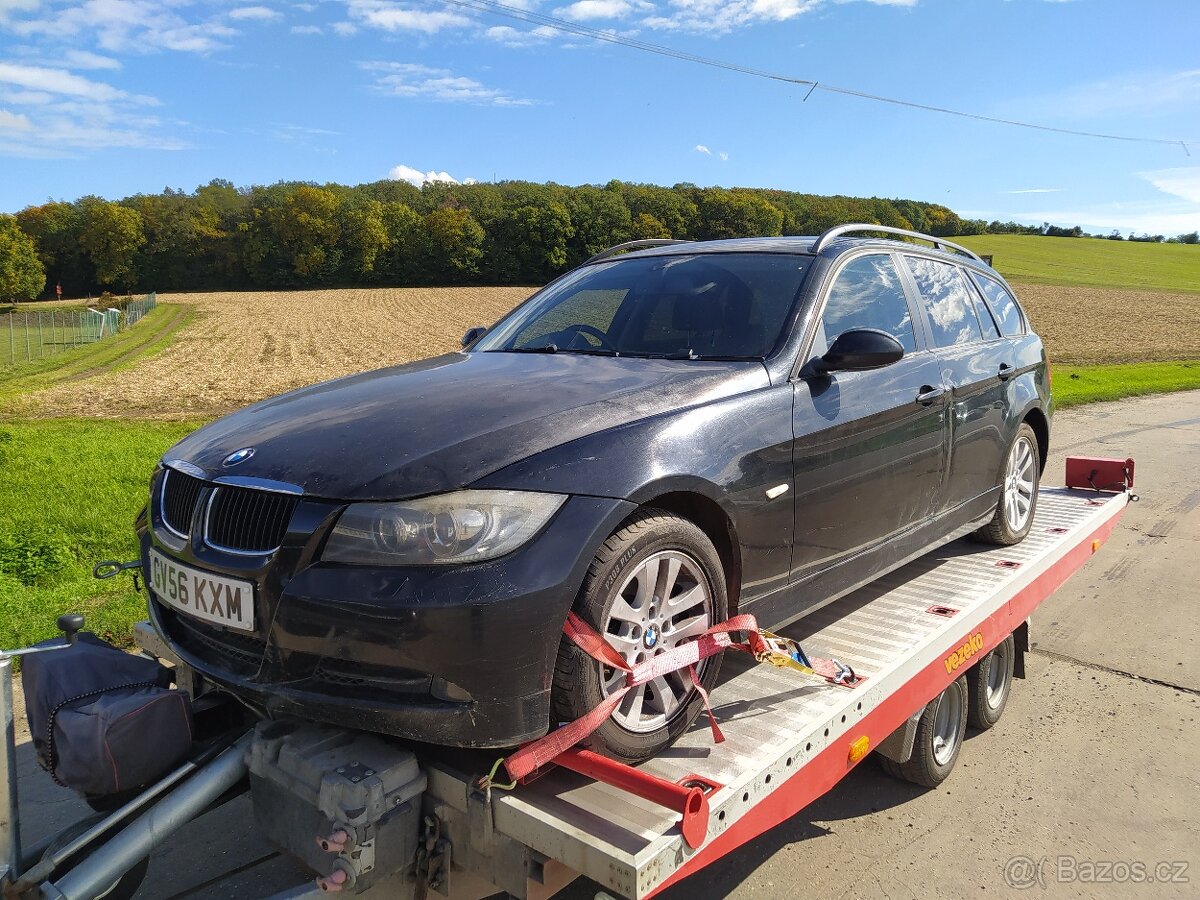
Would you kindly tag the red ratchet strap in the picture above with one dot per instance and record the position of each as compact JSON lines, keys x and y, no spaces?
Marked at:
{"x":538,"y":753}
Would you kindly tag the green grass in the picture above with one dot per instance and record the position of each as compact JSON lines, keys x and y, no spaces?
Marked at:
{"x":152,"y":333}
{"x":1076,"y":385}
{"x":69,"y":493}
{"x":1092,"y":261}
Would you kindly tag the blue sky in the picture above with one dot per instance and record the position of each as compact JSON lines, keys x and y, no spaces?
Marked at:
{"x":113,"y":97}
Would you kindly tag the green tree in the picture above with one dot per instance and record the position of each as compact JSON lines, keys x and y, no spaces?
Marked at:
{"x":647,"y":226}
{"x":456,"y":241}
{"x":600,"y":219}
{"x":533,"y":241}
{"x":365,"y":235}
{"x":55,"y":228}
{"x":21,"y":274}
{"x":737,"y":213}
{"x":404,"y":261}
{"x":111,"y":237}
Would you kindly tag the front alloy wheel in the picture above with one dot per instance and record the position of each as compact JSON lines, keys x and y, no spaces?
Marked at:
{"x":654,"y":584}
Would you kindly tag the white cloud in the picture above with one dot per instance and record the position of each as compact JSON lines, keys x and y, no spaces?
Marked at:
{"x":345,"y":29}
{"x":68,"y":113}
{"x":125,"y":25}
{"x":700,"y":148}
{"x":10,"y":121}
{"x":720,"y":16}
{"x":1035,"y":191}
{"x":724,"y":156}
{"x":513,"y":37}
{"x":1181,"y":182}
{"x":84,"y":59}
{"x":255,"y":13}
{"x":442,"y":85}
{"x":56,"y":81}
{"x":585,"y":10}
{"x":306,"y":29}
{"x":389,"y":16}
{"x":418,"y":178}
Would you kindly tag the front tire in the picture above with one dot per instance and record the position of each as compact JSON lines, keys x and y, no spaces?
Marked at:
{"x":1018,"y":492}
{"x":655,"y":583}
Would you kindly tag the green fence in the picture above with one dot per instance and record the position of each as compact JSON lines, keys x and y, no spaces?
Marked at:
{"x":28,"y":336}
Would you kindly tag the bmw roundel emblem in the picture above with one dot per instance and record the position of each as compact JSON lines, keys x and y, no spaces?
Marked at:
{"x":237,"y":456}
{"x":650,"y":638}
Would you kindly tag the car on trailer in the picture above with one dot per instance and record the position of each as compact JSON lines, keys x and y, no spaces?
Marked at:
{"x":670,"y":434}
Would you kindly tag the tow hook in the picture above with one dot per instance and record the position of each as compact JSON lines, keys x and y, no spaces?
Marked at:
{"x":110,"y":567}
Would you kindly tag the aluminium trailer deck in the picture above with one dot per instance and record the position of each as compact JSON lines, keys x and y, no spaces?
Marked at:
{"x":788,"y":737}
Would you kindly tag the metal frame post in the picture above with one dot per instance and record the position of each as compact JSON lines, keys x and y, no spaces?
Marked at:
{"x":10,"y":836}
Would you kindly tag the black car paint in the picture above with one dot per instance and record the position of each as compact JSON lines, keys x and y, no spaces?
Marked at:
{"x":874,"y":477}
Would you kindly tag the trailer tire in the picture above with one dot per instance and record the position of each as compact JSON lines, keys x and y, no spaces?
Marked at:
{"x":629,"y":557}
{"x":938,"y":739}
{"x":989,"y":683}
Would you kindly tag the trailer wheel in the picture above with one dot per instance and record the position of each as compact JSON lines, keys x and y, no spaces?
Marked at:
{"x":989,"y":683}
{"x":939,"y":738}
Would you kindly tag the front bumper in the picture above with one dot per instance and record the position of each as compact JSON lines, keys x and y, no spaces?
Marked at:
{"x":453,"y":655}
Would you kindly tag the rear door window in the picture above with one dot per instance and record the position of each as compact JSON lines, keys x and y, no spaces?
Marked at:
{"x":986,"y":322}
{"x":1008,"y":314}
{"x":947,"y":299}
{"x":868,"y":293}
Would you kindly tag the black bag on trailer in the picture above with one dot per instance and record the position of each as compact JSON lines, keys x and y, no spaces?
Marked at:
{"x":102,"y":720}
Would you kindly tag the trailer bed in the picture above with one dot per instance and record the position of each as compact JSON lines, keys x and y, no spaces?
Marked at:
{"x":788,"y":736}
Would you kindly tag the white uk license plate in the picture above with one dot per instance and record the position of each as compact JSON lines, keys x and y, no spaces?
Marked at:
{"x":214,"y":598}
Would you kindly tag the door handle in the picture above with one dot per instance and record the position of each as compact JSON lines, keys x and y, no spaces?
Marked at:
{"x":928,"y":394}
{"x":1006,"y":372}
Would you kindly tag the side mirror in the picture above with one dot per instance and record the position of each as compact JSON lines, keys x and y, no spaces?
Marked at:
{"x":472,"y":335}
{"x":858,"y":350}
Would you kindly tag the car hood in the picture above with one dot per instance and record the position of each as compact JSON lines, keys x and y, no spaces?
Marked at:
{"x":442,"y":423}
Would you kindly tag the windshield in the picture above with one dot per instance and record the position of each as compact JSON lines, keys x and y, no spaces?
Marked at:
{"x":705,"y":306}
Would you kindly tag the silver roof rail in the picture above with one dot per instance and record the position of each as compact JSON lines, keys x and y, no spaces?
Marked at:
{"x":938,"y":243}
{"x":643,"y":244}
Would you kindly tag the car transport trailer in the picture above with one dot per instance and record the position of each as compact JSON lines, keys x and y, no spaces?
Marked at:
{"x":931,"y":646}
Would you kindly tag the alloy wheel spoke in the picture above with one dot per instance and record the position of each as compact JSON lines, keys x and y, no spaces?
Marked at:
{"x":687,"y":629}
{"x":693,"y":596}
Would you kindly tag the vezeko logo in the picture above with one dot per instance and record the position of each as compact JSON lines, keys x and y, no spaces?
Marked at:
{"x":969,"y":648}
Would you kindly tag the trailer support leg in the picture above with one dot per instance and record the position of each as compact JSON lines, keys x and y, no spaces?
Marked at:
{"x":96,"y":873}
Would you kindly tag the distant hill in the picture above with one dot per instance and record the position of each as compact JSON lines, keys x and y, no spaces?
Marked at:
{"x":1091,"y":261}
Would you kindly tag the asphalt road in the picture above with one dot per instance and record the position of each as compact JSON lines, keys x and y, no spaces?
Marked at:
{"x":1086,"y":788}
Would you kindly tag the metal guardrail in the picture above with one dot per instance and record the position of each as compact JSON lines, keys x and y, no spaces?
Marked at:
{"x":26,"y":336}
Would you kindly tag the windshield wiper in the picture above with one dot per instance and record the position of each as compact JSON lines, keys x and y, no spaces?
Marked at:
{"x":545,"y":348}
{"x":590,"y":351}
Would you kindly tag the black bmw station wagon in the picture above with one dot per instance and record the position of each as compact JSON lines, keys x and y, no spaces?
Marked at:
{"x":659,"y":439}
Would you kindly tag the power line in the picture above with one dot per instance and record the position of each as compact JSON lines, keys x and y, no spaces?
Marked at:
{"x":535,"y":18}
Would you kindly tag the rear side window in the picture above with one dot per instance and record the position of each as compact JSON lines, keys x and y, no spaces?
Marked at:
{"x":1008,"y":314}
{"x":986,"y":322}
{"x":868,"y":294}
{"x":947,"y":300}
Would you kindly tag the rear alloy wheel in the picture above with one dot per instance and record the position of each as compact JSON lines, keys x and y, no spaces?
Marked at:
{"x":655,"y":584}
{"x":1018,"y":492}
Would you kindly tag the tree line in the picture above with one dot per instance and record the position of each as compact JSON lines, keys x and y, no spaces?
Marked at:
{"x":300,"y":235}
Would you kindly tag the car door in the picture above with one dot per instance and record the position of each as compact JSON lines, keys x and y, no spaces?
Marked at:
{"x":867,"y":449}
{"x":975,"y":363}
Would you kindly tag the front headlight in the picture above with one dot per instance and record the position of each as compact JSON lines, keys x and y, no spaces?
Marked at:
{"x":463,"y":527}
